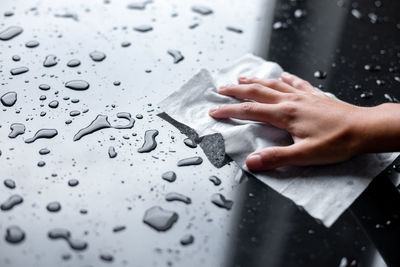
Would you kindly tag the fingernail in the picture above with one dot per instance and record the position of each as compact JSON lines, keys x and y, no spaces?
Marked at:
{"x":242,"y":78}
{"x":254,"y":161}
{"x":213,"y":110}
{"x":285,"y":74}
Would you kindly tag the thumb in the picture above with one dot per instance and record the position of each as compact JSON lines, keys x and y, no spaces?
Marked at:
{"x":273,"y":157}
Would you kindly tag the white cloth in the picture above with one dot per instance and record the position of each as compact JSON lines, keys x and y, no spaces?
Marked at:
{"x":325,"y":192}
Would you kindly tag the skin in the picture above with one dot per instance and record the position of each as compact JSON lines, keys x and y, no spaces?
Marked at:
{"x":324,"y":130}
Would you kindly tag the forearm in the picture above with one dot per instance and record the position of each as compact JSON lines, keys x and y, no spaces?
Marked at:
{"x":379,"y":128}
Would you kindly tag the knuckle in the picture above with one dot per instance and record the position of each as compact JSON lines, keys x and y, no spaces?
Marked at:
{"x":294,"y":97}
{"x":255,"y":89}
{"x":300,"y":83}
{"x":288,"y":108}
{"x":247,"y":107}
{"x":272,"y":82}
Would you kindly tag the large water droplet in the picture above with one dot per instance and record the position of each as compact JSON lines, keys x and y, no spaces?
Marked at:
{"x":159,"y":218}
{"x":10,"y":33}
{"x":42,"y":133}
{"x":149,"y":141}
{"x":219,"y":200}
{"x":53,"y":104}
{"x":190,"y":161}
{"x":11,"y":202}
{"x":100,"y":122}
{"x":14,"y":234}
{"x":60,"y":233}
{"x":9,"y":99}
{"x":16,"y":129}
{"x":78,"y":85}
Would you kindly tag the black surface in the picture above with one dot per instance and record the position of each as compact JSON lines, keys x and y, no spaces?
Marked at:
{"x":262,"y":228}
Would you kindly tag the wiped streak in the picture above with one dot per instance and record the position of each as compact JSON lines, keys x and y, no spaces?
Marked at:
{"x":42,"y":133}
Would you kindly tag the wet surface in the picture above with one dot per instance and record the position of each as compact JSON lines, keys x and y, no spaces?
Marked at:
{"x":345,"y":47}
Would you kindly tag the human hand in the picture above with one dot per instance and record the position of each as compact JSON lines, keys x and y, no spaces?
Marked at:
{"x":324,"y":130}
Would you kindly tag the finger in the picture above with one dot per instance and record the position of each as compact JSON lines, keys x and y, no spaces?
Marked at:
{"x":296,"y":82}
{"x":275,"y":157}
{"x":249,"y":111}
{"x":255,"y":92}
{"x":274,"y":84}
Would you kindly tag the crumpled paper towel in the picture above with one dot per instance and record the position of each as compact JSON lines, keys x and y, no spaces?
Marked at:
{"x":325,"y":192}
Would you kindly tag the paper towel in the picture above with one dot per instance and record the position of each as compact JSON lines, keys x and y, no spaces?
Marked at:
{"x":325,"y":192}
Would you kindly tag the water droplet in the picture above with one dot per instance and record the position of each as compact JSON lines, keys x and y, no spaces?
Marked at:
{"x":176,"y":54}
{"x":32,"y":44}
{"x":42,"y":97}
{"x":44,"y":151}
{"x":19,"y":70}
{"x":41,"y":163}
{"x":16,"y":58}
{"x":74,"y":63}
{"x":106,"y":257}
{"x":202,"y":10}
{"x":16,"y":129}
{"x":139,"y":5}
{"x":111,"y":152}
{"x":68,"y":122}
{"x":357,"y":14}
{"x":299,"y":13}
{"x":125,"y":44}
{"x":10,"y":33}
{"x":78,"y":85}
{"x":219,"y":200}
{"x":193,"y":26}
{"x":50,"y":61}
{"x":190,"y":143}
{"x":74,"y":113}
{"x":14,"y":234}
{"x":187,"y":239}
{"x":61,"y":233}
{"x":127,"y":116}
{"x":44,"y":87}
{"x":42,"y":133}
{"x":234,"y":29}
{"x":190,"y":161}
{"x":97,"y":56}
{"x":73,"y":182}
{"x":53,"y":104}
{"x":149,"y":141}
{"x":143,"y":28}
{"x":11,"y":202}
{"x":279,"y":25}
{"x":9,"y":99}
{"x":320,"y":74}
{"x":366,"y":94}
{"x":215,"y":180}
{"x":117,"y":83}
{"x":159,"y":218}
{"x":173,"y":196}
{"x":169,"y":176}
{"x":54,"y":206}
{"x":139,"y":116}
{"x":119,"y":228}
{"x":100,"y":122}
{"x":372,"y":68}
{"x":8,"y":13}
{"x":9,"y":183}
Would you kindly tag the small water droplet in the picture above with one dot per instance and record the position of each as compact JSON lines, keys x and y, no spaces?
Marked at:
{"x":74,"y":63}
{"x":44,"y":151}
{"x":219,"y":200}
{"x":50,"y":61}
{"x":143,"y":28}
{"x":53,"y":104}
{"x":173,"y":196}
{"x":190,"y":143}
{"x":106,"y":257}
{"x":19,"y":70}
{"x":176,"y":55}
{"x":78,"y":85}
{"x":9,"y":183}
{"x":16,"y":58}
{"x":111,"y":152}
{"x":169,"y":176}
{"x":215,"y":180}
{"x":117,"y":83}
{"x":41,"y":163}
{"x":202,"y":10}
{"x":125,"y":44}
{"x":54,"y":206}
{"x":32,"y":44}
{"x":97,"y":56}
{"x":74,"y":113}
{"x":44,"y":87}
{"x":187,"y":239}
{"x":73,"y":182}
{"x":234,"y":29}
{"x":320,"y":74}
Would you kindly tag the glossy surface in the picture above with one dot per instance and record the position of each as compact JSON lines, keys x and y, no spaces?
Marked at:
{"x":101,"y":220}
